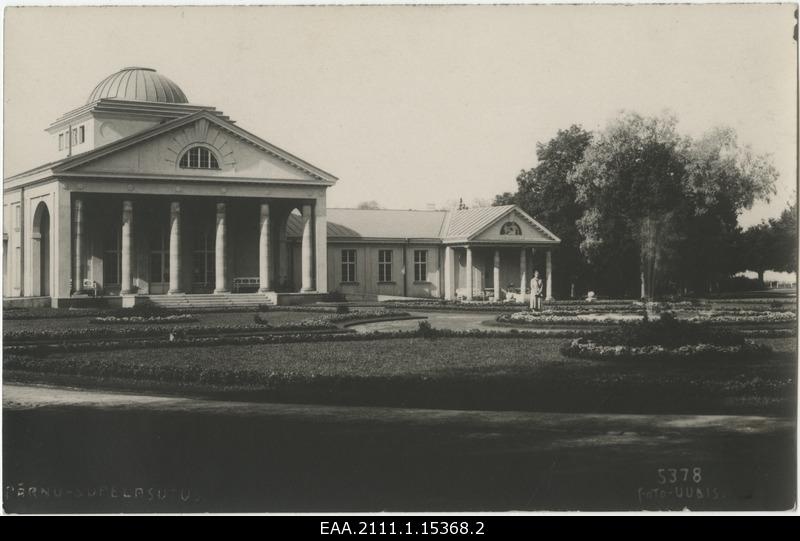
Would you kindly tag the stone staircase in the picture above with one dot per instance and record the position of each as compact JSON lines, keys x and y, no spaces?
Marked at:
{"x":224,"y":300}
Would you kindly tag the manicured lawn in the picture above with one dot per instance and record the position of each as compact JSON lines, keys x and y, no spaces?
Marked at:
{"x":477,"y":373}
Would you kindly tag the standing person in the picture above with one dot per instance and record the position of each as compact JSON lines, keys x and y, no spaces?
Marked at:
{"x":537,"y":287}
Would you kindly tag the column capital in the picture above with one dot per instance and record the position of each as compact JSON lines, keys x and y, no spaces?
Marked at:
{"x":175,"y":207}
{"x":127,"y":205}
{"x":220,"y":208}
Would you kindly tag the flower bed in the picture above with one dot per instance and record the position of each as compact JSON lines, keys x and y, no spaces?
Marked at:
{"x":546,"y":318}
{"x":744,"y":316}
{"x":176,"y":318}
{"x":588,"y":349}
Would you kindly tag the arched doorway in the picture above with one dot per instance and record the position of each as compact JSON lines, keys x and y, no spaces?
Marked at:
{"x":40,"y":251}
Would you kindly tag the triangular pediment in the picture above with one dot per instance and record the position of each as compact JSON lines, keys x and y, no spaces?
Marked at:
{"x":158,"y":151}
{"x":515,"y":226}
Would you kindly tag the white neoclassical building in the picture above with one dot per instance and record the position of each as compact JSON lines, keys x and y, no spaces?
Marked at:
{"x":153,"y":199}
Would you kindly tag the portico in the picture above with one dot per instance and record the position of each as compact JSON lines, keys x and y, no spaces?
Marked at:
{"x":149,"y":244}
{"x":497,"y":273}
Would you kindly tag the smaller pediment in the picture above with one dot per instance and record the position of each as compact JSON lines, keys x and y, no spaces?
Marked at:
{"x":515,"y":226}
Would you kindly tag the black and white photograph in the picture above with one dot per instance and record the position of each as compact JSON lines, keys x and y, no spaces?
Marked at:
{"x":410,"y":259}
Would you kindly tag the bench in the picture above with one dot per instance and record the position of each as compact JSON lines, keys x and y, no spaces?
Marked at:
{"x":248,"y":283}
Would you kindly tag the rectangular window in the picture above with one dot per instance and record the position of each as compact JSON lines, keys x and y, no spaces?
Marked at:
{"x":74,"y":136}
{"x":384,"y":265}
{"x":348,"y":265}
{"x":81,"y":134}
{"x":420,"y":265}
{"x":60,"y":141}
{"x":17,"y":218}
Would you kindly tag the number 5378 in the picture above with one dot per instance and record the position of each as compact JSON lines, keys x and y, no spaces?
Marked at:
{"x":671,"y":476}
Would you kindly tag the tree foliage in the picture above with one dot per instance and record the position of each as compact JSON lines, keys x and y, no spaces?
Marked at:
{"x":639,"y":202}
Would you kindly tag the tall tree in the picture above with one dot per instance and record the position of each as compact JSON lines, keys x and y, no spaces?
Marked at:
{"x":664,"y":207}
{"x":785,"y":239}
{"x":722,"y":179}
{"x":544,"y":194}
{"x":630,"y":184}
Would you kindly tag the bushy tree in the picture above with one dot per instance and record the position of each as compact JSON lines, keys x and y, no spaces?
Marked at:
{"x":544,"y":194}
{"x":629,"y":181}
{"x":641,"y":208}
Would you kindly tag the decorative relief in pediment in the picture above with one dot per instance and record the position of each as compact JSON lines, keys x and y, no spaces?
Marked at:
{"x":201,"y":133}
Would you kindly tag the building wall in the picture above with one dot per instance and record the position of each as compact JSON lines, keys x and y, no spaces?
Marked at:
{"x":367,"y":274}
{"x":19,"y":208}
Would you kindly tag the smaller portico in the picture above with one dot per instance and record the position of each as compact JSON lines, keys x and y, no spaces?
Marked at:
{"x":496,"y":261}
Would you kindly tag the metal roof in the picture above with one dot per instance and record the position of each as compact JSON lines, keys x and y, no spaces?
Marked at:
{"x":384,"y":224}
{"x":410,"y":224}
{"x":138,"y":84}
{"x":467,"y":222}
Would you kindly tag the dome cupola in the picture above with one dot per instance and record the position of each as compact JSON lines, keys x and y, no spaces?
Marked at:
{"x":138,"y":84}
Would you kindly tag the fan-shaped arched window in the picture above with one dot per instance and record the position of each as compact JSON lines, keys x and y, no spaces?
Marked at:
{"x":198,"y":158}
{"x":510,"y":228}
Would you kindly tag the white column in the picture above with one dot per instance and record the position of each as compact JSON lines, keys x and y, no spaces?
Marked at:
{"x":220,"y":259}
{"x":126,"y":281}
{"x":469,"y":273}
{"x":523,"y":272}
{"x":174,"y":248}
{"x":549,"y":283}
{"x":307,"y":251}
{"x":77,"y":217}
{"x":263,"y":250}
{"x":497,"y":275}
{"x":321,"y":245}
{"x":448,"y":273}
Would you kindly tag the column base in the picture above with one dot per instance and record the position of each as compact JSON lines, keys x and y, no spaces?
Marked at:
{"x":175,"y":292}
{"x":127,"y":292}
{"x":307,"y":290}
{"x":550,"y":299}
{"x":265,"y":290}
{"x":221,"y":291}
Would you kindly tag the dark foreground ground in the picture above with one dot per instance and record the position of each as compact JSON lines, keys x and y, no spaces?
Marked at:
{"x":68,"y":451}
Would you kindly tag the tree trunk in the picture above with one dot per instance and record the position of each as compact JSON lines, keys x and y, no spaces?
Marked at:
{"x":761,"y":279}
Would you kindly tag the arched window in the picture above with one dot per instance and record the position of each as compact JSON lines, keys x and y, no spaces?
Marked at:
{"x":198,"y":158}
{"x":510,"y":228}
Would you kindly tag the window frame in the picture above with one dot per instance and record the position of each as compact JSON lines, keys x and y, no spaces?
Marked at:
{"x":199,"y":157}
{"x":420,"y":266}
{"x":385,"y":266}
{"x":348,"y":265}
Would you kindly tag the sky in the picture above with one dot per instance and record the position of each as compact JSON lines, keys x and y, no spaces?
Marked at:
{"x":418,"y":106}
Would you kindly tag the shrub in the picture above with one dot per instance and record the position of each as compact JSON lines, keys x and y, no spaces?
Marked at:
{"x":342,"y":309}
{"x":426,"y":330}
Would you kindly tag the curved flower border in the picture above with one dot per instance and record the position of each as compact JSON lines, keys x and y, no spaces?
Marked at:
{"x":584,"y":348}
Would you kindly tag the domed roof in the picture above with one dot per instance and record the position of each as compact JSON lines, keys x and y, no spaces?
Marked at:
{"x":138,"y":84}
